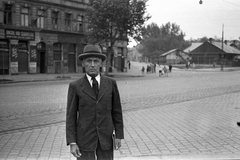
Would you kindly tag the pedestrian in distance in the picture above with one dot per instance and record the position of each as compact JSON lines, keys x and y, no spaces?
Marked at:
{"x":94,"y":121}
{"x":165,"y":71}
{"x":129,"y":64}
{"x":154,"y":67}
{"x":170,"y":68}
{"x":143,"y":69}
{"x":187,"y":65}
{"x":214,"y":64}
{"x":161,"y":72}
{"x":193,"y":66}
{"x":148,"y":68}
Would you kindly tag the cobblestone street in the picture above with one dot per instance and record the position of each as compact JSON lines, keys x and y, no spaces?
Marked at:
{"x":188,"y":115}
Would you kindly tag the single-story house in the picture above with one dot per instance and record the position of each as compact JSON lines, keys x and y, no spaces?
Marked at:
{"x":192,"y":47}
{"x":174,"y":56}
{"x":211,"y":51}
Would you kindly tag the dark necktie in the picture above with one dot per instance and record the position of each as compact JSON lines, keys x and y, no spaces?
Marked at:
{"x":95,"y":85}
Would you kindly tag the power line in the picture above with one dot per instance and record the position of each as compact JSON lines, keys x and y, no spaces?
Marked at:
{"x":232,"y":26}
{"x":231,"y":3}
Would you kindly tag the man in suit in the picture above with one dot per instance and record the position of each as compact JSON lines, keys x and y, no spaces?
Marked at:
{"x":94,"y":111}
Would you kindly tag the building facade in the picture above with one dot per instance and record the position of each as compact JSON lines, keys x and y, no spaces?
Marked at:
{"x":211,"y":52}
{"x":175,"y":56}
{"x":45,"y":36}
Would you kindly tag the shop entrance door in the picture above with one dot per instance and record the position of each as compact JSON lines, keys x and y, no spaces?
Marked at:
{"x":71,"y":63}
{"x":42,"y":62}
{"x":23,"y":62}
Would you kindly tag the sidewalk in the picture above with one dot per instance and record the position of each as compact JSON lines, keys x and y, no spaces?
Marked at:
{"x":56,"y":77}
{"x":134,"y":71}
{"x":183,"y":120}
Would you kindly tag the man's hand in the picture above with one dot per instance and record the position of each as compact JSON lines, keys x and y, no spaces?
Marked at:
{"x":75,"y":150}
{"x":118,"y":143}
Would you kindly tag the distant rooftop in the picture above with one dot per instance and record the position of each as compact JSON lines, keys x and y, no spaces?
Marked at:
{"x":226,"y":48}
{"x":192,"y":47}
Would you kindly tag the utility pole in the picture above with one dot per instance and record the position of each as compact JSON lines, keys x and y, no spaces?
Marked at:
{"x":2,"y":60}
{"x":222,"y":48}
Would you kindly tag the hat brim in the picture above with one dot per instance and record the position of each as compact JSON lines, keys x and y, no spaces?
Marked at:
{"x":86,"y":55}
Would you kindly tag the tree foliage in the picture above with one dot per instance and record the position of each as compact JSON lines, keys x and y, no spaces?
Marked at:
{"x":157,"y":40}
{"x":113,"y":20}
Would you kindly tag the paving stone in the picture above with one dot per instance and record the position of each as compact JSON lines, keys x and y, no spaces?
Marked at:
{"x":180,"y":116}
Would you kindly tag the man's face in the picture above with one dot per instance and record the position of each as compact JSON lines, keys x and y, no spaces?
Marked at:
{"x":92,"y":65}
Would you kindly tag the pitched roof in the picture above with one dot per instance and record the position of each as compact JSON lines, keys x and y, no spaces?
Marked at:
{"x":168,"y":52}
{"x":192,"y":47}
{"x":171,"y":51}
{"x":226,"y":48}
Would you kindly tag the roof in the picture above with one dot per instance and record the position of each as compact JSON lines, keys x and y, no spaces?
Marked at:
{"x":192,"y":47}
{"x":226,"y":48}
{"x":166,"y":53}
{"x":171,"y":51}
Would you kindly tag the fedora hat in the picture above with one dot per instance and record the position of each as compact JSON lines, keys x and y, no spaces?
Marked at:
{"x":92,"y":51}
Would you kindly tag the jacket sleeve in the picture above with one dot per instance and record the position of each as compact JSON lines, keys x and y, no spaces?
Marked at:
{"x":117,"y":112}
{"x":71,"y":115}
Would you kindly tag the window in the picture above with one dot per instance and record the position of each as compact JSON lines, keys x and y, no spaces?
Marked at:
{"x":40,"y":18}
{"x":68,"y":22}
{"x":72,"y":48}
{"x":41,"y":46}
{"x":80,"y":24}
{"x":8,"y":14}
{"x":3,"y":44}
{"x":80,"y":0}
{"x":55,"y":19}
{"x":22,"y":45}
{"x":25,"y":16}
{"x":57,"y":52}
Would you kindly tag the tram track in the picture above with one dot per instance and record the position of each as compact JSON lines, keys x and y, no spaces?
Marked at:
{"x":58,"y":117}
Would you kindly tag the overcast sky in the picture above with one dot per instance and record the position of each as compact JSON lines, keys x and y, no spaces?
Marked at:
{"x":196,"y":20}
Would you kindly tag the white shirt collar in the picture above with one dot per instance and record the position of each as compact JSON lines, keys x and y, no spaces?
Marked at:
{"x":90,"y":79}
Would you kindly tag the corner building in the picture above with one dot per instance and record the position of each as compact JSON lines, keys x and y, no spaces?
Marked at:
{"x":45,"y":36}
{"x":41,"y":36}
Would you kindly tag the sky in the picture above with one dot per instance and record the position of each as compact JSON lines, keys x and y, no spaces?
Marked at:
{"x":209,"y":19}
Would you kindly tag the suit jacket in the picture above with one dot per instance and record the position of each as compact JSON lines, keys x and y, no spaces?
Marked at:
{"x":91,"y":119}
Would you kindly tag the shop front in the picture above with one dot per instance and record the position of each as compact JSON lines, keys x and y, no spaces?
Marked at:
{"x":4,"y":57}
{"x":20,"y":53}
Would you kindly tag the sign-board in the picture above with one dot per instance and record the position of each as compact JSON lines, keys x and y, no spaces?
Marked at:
{"x":19,"y":34}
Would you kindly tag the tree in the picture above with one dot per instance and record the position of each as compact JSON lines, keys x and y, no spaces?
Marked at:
{"x":110,"y":21}
{"x":157,"y":40}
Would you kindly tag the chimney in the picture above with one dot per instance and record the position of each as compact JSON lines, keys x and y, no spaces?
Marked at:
{"x":210,"y":40}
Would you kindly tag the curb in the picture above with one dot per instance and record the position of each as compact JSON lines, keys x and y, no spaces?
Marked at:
{"x":10,"y":81}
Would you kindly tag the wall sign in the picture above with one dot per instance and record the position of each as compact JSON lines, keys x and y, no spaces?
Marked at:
{"x":18,"y":34}
{"x":14,"y":52}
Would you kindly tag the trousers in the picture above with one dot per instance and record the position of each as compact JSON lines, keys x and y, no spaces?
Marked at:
{"x":99,"y":154}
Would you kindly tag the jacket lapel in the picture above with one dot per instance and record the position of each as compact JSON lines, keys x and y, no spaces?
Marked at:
{"x":103,"y":87}
{"x":86,"y":87}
